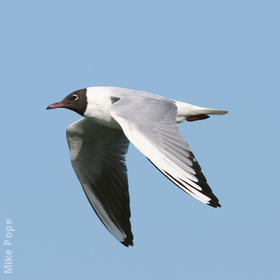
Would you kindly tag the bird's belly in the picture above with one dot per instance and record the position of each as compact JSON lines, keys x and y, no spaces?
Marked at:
{"x":108,"y":121}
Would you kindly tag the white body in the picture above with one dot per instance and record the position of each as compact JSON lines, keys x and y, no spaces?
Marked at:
{"x":100,"y":101}
{"x":98,"y":143}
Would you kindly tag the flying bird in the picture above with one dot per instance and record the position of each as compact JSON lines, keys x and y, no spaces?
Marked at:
{"x":112,"y":118}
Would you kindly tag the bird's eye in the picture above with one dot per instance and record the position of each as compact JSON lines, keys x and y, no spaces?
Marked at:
{"x":74,"y":97}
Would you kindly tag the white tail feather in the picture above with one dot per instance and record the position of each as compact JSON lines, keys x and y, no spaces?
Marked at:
{"x":186,"y":110}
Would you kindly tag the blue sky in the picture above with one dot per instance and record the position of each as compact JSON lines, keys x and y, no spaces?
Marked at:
{"x":221,"y":54}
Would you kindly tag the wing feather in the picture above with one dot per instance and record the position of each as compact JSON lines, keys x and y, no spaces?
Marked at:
{"x":150,"y":124}
{"x":98,"y":158}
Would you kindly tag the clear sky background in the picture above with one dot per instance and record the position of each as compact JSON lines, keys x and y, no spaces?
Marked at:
{"x":221,"y":54}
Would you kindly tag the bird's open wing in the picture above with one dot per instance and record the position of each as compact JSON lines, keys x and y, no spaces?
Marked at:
{"x":98,"y":158}
{"x":150,"y":125}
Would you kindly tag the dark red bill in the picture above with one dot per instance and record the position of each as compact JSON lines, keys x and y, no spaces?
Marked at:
{"x":56,"y":105}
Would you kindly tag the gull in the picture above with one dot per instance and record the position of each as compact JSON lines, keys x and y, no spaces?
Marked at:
{"x":112,"y":118}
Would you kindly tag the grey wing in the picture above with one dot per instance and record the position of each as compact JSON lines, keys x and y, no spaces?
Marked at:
{"x":150,"y":124}
{"x":98,"y":158}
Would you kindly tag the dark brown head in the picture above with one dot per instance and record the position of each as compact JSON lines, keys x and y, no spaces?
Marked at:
{"x":75,"y":101}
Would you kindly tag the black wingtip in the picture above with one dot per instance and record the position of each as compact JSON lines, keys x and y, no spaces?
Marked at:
{"x":127,"y":243}
{"x":214,"y":204}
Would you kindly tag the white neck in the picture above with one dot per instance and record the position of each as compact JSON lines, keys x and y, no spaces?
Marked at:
{"x":99,"y":104}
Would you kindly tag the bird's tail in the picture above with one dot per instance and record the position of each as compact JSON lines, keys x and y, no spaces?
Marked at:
{"x":191,"y":112}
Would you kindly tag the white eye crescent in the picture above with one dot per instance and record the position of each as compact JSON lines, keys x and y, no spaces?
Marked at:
{"x":74,"y":97}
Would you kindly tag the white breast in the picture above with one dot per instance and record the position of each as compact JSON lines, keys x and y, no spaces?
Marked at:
{"x":99,"y":104}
